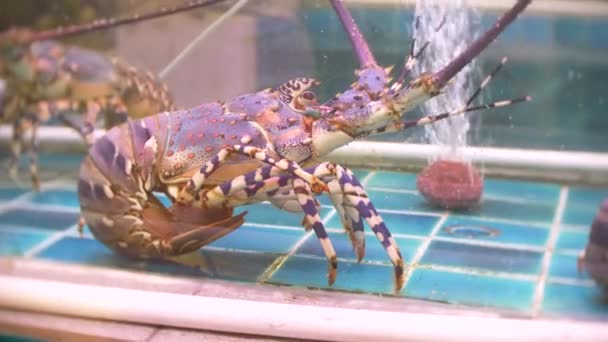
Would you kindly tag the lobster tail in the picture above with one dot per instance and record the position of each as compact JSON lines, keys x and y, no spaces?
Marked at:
{"x":116,"y":199}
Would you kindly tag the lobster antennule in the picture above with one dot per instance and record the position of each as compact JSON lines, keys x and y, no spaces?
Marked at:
{"x":433,"y":118}
{"x":101,"y":24}
{"x":364,"y":54}
{"x":442,"y":77}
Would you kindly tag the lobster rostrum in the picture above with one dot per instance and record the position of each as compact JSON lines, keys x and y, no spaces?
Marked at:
{"x":46,"y":78}
{"x":257,"y":147}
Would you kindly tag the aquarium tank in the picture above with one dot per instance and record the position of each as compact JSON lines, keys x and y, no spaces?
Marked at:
{"x":310,"y":170}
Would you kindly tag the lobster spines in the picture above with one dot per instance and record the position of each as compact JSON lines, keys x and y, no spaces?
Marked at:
{"x":371,"y":77}
{"x":349,"y":119}
{"x":362,"y":50}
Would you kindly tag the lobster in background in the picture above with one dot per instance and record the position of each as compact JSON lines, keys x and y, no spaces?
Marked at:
{"x":45,"y":78}
{"x":257,"y":147}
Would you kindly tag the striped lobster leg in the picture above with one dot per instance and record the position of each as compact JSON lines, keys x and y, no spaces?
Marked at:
{"x":20,"y":127}
{"x":195,"y":183}
{"x":345,"y":191}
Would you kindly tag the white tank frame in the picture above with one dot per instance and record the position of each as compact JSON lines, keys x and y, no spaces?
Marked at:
{"x":543,"y":165}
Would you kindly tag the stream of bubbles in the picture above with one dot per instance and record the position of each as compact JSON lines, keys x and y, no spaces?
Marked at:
{"x":445,"y":44}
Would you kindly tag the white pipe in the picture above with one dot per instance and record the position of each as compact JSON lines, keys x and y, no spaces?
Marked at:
{"x":393,"y":153}
{"x":274,"y":319}
{"x":398,"y":153}
{"x":548,"y":165}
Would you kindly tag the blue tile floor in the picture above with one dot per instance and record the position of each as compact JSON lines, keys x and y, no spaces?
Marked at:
{"x":517,"y":252}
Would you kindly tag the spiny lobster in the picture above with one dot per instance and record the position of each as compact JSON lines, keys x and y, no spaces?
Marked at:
{"x":263,"y":146}
{"x":45,"y":78}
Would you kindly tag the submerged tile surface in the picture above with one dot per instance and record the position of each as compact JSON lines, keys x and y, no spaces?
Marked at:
{"x":565,"y":266}
{"x":461,"y":257}
{"x":39,"y":218}
{"x":9,"y":193}
{"x":16,"y":243}
{"x":480,"y":290}
{"x":220,"y":264}
{"x":482,"y":257}
{"x":57,"y":197}
{"x":572,"y":240}
{"x":312,"y":272}
{"x":392,"y":180}
{"x":583,"y":204}
{"x":574,"y":301}
{"x":494,"y":231}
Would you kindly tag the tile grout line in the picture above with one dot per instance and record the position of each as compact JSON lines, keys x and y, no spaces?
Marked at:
{"x":463,"y":241}
{"x":532,"y":224}
{"x":453,"y":269}
{"x":509,"y":199}
{"x":56,"y":208}
{"x":22,"y":199}
{"x":423,"y":247}
{"x":68,"y":208}
{"x":539,"y":292}
{"x":480,"y":272}
{"x":276,"y":265}
{"x":17,"y":229}
{"x":49,"y":241}
{"x":573,"y":281}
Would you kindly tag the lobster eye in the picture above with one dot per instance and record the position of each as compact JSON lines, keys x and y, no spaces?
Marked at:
{"x":307,"y":98}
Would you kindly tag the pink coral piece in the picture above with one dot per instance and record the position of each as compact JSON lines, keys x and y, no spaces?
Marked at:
{"x":451,"y":184}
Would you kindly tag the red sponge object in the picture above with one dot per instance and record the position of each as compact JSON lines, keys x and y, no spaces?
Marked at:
{"x":451,"y":184}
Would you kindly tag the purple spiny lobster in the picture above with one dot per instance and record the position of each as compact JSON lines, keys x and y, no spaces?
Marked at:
{"x":257,"y":147}
{"x":45,"y":78}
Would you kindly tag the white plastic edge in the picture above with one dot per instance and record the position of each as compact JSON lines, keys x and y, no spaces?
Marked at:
{"x":394,"y":153}
{"x":275,"y":319}
{"x":548,"y":165}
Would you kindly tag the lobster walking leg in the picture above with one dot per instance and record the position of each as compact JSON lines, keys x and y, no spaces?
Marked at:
{"x":346,"y":192}
{"x":34,"y":156}
{"x":20,"y":127}
{"x":195,"y":182}
{"x":310,"y":207}
{"x":357,"y":205}
{"x":16,"y":146}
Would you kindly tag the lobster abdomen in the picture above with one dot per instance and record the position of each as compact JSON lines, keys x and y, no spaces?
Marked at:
{"x":110,"y":188}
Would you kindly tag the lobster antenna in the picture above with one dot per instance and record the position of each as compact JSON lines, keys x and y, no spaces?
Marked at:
{"x":467,"y":107}
{"x":429,"y":119}
{"x":364,"y":54}
{"x":443,"y":76}
{"x":101,"y":24}
{"x":487,"y":80}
